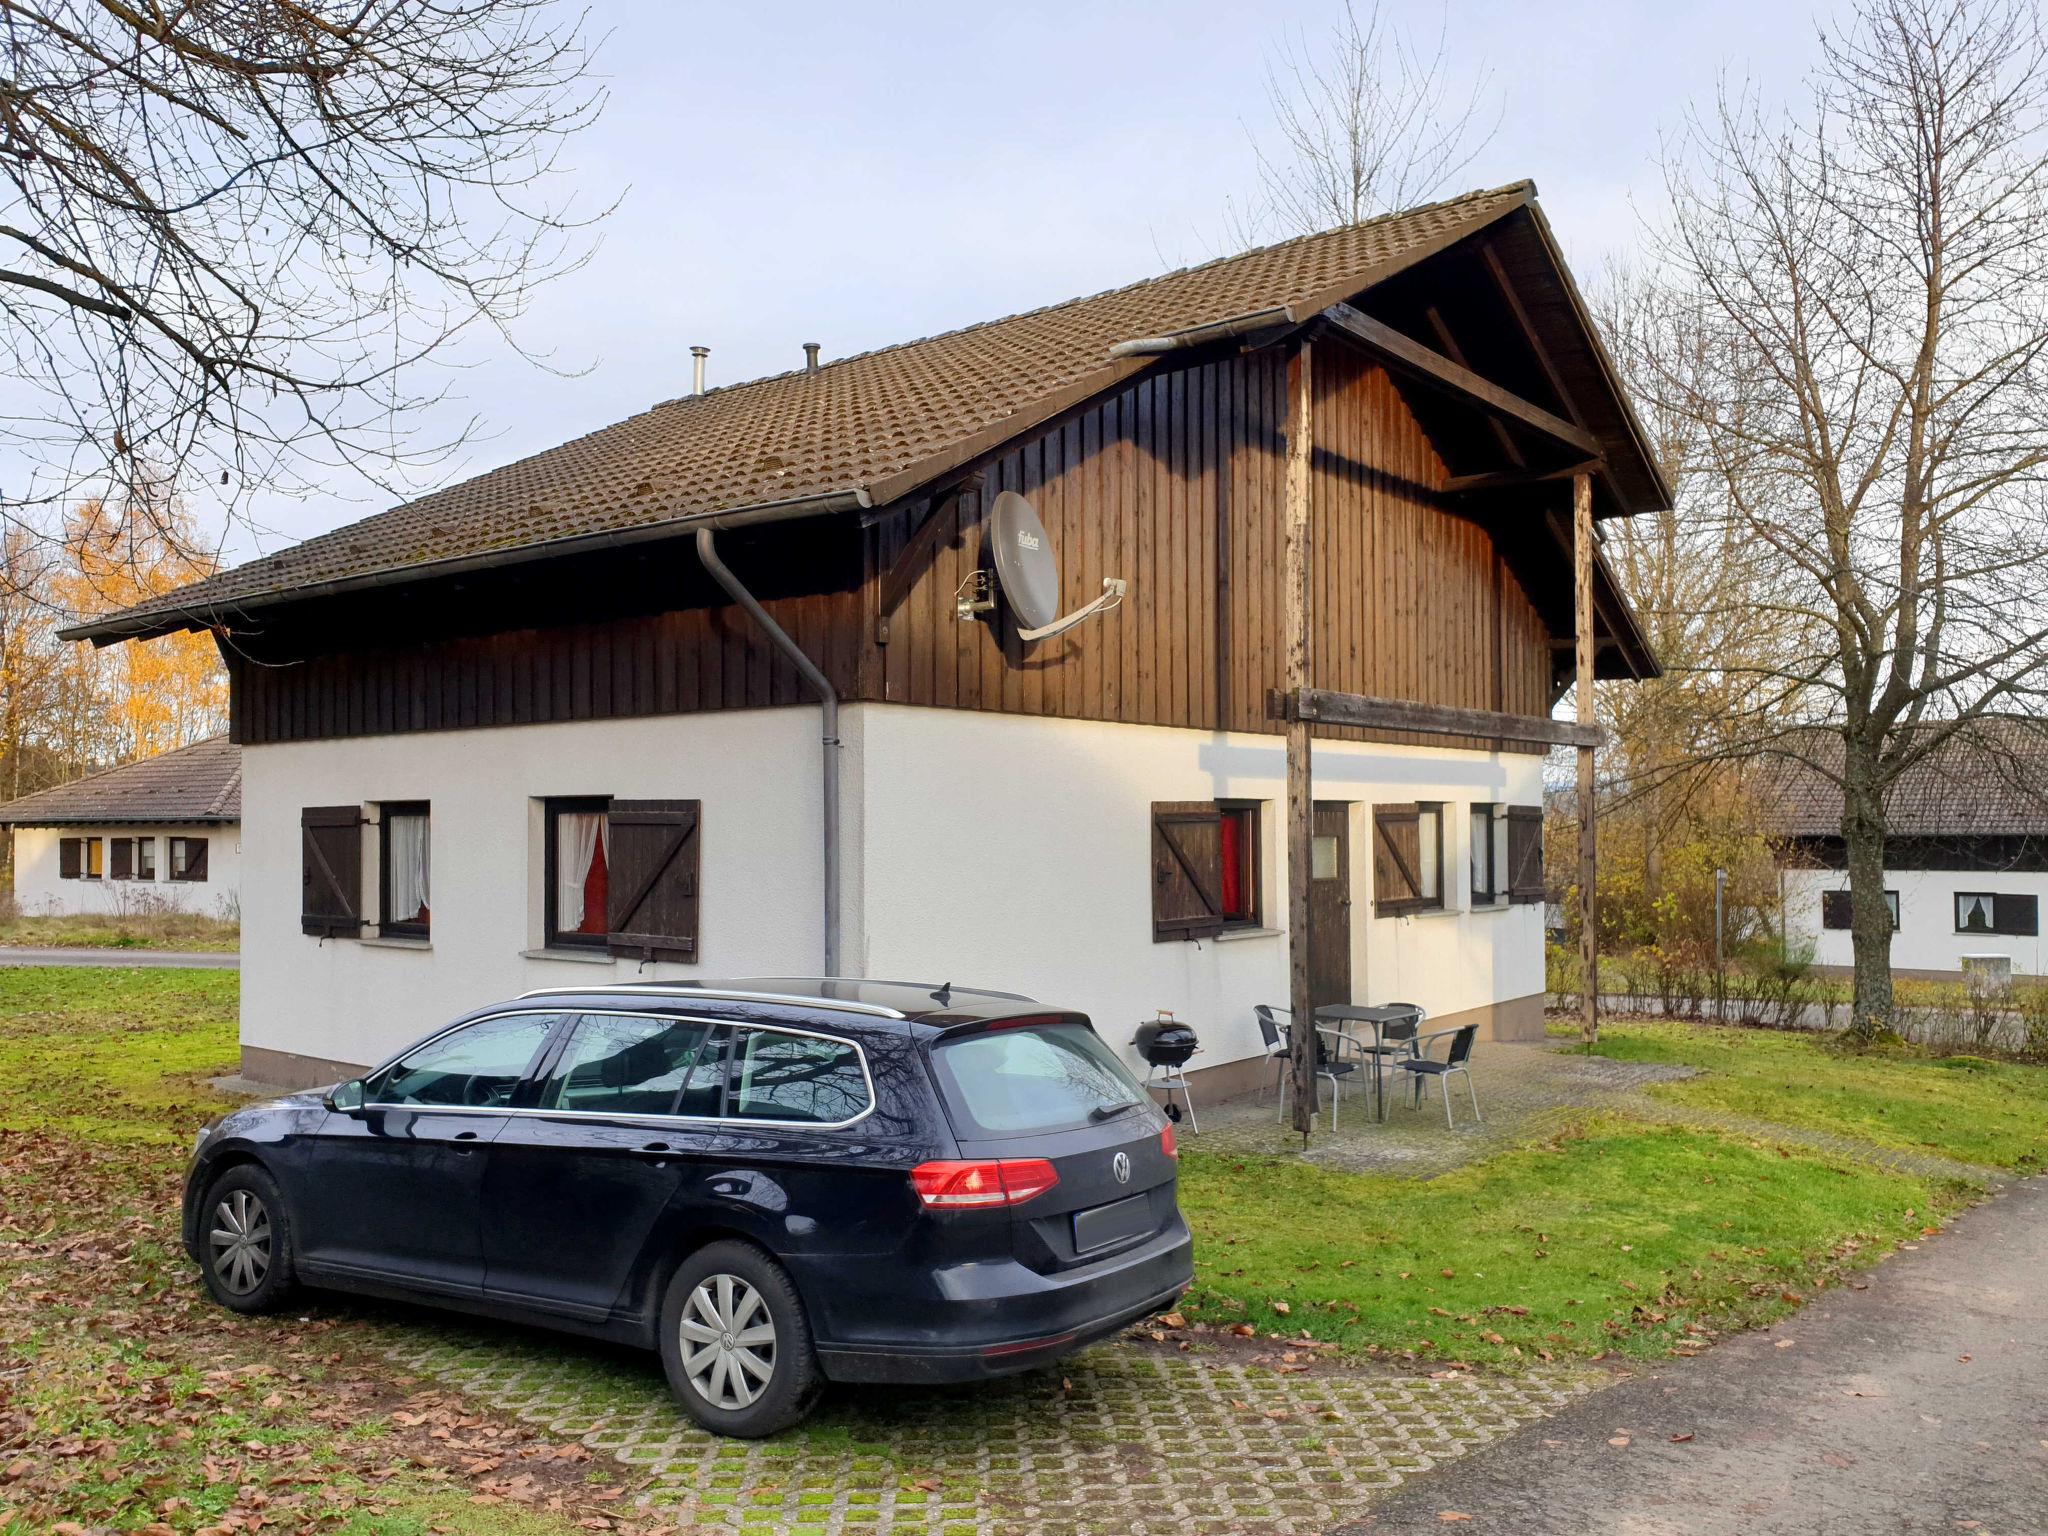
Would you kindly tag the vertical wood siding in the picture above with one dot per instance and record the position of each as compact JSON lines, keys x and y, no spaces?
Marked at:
{"x":1173,"y":484}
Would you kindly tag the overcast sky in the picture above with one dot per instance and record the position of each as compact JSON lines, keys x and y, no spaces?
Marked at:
{"x":861,"y":175}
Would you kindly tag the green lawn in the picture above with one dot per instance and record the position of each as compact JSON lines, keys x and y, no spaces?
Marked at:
{"x":142,"y":930}
{"x":1613,"y":1237}
{"x":1965,"y":1107}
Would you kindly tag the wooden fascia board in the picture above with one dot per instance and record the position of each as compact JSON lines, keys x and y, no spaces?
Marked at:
{"x":1432,"y":368}
{"x":1325,"y":706}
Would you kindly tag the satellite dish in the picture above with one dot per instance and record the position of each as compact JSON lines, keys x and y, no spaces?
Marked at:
{"x":1029,"y":574}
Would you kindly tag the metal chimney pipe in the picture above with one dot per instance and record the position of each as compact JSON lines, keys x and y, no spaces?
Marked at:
{"x":811,"y":357}
{"x":697,"y":369}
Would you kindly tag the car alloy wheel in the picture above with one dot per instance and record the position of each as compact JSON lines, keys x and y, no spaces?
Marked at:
{"x":240,"y":1241}
{"x":727,"y":1342}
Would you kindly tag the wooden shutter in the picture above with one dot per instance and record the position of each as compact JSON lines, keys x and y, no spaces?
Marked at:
{"x":2016,"y":915}
{"x":69,"y":857}
{"x":1396,"y":859}
{"x":1835,"y":910}
{"x":121,"y":861}
{"x":1187,"y":870}
{"x":1525,"y":853}
{"x":654,"y":859}
{"x":331,"y":870}
{"x":195,"y":857}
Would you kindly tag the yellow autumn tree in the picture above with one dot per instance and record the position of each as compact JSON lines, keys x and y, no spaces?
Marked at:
{"x":157,"y":694}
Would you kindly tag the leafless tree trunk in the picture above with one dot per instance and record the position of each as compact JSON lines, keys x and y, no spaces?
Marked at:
{"x":1365,"y":122}
{"x":231,"y":231}
{"x":1870,"y":282}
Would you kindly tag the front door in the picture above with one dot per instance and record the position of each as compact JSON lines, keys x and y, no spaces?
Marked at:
{"x":1329,"y":905}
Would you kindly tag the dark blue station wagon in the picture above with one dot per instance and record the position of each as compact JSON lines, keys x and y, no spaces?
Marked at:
{"x":774,"y":1183}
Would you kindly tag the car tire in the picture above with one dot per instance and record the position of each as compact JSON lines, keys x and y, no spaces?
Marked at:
{"x":245,"y":1241}
{"x":729,"y":1313}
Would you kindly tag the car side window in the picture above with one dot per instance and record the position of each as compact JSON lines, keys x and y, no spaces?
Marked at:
{"x":795,"y":1077}
{"x":616,"y":1064}
{"x":474,"y":1067}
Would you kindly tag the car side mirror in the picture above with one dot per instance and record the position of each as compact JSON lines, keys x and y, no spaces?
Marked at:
{"x":346,"y":1098}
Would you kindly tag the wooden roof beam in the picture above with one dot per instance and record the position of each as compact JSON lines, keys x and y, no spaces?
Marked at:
{"x":1412,"y":358}
{"x":1509,"y":479}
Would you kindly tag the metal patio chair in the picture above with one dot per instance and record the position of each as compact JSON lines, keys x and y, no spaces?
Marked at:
{"x":1274,"y":1033}
{"x":1339,"y":1055}
{"x":1457,"y":1058}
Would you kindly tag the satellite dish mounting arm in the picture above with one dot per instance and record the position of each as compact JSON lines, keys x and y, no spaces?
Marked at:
{"x":1112,"y":594}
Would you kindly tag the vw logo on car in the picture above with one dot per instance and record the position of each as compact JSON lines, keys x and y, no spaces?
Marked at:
{"x":1120,"y":1165}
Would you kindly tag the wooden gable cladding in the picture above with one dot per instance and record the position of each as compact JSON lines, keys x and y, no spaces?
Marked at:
{"x":1174,"y":484}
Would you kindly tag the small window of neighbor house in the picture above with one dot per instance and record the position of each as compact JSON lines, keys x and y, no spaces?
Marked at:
{"x":1997,"y":912}
{"x":188,"y":858}
{"x":1488,"y":854}
{"x":70,"y":857}
{"x":95,"y":859}
{"x":145,"y":858}
{"x":404,"y":857}
{"x":1836,"y":911}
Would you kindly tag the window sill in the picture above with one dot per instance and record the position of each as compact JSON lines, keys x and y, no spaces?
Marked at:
{"x":573,"y":956}
{"x":393,"y":941}
{"x":1422,"y":912}
{"x":1233,"y":935}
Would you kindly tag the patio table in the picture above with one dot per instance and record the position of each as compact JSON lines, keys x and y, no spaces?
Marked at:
{"x":1344,"y":1015}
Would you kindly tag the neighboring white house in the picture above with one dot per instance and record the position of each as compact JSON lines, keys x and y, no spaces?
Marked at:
{"x":160,"y":834}
{"x":526,"y":732}
{"x":1966,"y":858}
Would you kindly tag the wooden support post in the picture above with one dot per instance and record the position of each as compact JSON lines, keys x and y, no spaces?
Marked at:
{"x":1582,"y":614}
{"x":1298,"y":562}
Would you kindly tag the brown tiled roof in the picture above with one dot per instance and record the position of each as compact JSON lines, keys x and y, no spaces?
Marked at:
{"x":199,"y":783}
{"x":880,"y":424}
{"x":1992,"y":782}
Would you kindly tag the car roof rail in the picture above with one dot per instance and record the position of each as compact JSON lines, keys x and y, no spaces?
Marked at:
{"x":718,"y":994}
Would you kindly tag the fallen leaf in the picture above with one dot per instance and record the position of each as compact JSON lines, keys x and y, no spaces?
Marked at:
{"x":1786,"y":1343}
{"x":1449,"y":1515}
{"x":1681,"y":1439}
{"x":1174,"y":1320}
{"x":1964,"y":1358}
{"x":1619,"y":1441}
{"x":1282,"y":1308}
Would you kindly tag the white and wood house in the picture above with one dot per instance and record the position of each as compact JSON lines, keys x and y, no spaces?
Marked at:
{"x":161,"y":834}
{"x":1966,"y":854}
{"x":552,"y":693}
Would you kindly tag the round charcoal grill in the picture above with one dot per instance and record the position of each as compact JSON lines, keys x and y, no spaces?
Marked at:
{"x":1166,"y":1044}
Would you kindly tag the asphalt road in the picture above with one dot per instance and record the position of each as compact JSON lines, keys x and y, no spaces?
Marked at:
{"x":11,"y":954}
{"x":1919,"y":1404}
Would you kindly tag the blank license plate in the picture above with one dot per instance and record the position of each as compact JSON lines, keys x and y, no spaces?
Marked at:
{"x":1108,"y":1224}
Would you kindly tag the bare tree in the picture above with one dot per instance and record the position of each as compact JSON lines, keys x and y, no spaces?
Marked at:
{"x":1364,"y":123}
{"x":1871,"y":277}
{"x":231,"y":230}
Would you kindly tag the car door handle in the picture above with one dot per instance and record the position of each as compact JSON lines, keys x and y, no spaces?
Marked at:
{"x":464,"y":1143}
{"x":655,"y":1149}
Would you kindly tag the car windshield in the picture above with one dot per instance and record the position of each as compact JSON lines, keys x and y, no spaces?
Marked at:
{"x":1018,"y":1080}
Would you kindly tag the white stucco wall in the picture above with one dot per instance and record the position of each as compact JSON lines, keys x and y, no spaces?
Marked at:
{"x":38,"y":889}
{"x":1015,"y":853}
{"x":1927,"y":939}
{"x":357,"y":1001}
{"x":985,"y":849}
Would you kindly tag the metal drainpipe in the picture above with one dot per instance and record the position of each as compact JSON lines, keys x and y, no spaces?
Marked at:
{"x":707,"y":551}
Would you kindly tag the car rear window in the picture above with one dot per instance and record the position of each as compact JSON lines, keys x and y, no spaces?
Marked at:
{"x":1020,"y":1080}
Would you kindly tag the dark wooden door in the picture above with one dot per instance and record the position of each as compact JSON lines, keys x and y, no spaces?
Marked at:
{"x":1329,"y":904}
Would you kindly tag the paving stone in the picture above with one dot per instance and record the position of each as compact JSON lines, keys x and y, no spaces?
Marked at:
{"x":1119,"y":1438}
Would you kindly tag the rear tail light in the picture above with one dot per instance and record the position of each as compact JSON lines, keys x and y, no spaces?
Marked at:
{"x":952,"y":1186}
{"x":1166,"y":1142}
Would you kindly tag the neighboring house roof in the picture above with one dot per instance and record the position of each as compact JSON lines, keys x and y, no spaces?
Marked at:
{"x":867,"y":430}
{"x":1990,"y":782}
{"x":199,"y":783}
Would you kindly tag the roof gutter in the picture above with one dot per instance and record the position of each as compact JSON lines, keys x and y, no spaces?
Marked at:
{"x":1202,"y":335}
{"x":108,"y":631}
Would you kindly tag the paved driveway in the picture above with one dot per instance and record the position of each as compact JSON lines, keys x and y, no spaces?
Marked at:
{"x":1917,"y":1405}
{"x":203,"y":960}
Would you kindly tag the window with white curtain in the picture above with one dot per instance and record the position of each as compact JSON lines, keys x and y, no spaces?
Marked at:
{"x":578,"y":872}
{"x":406,"y":845}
